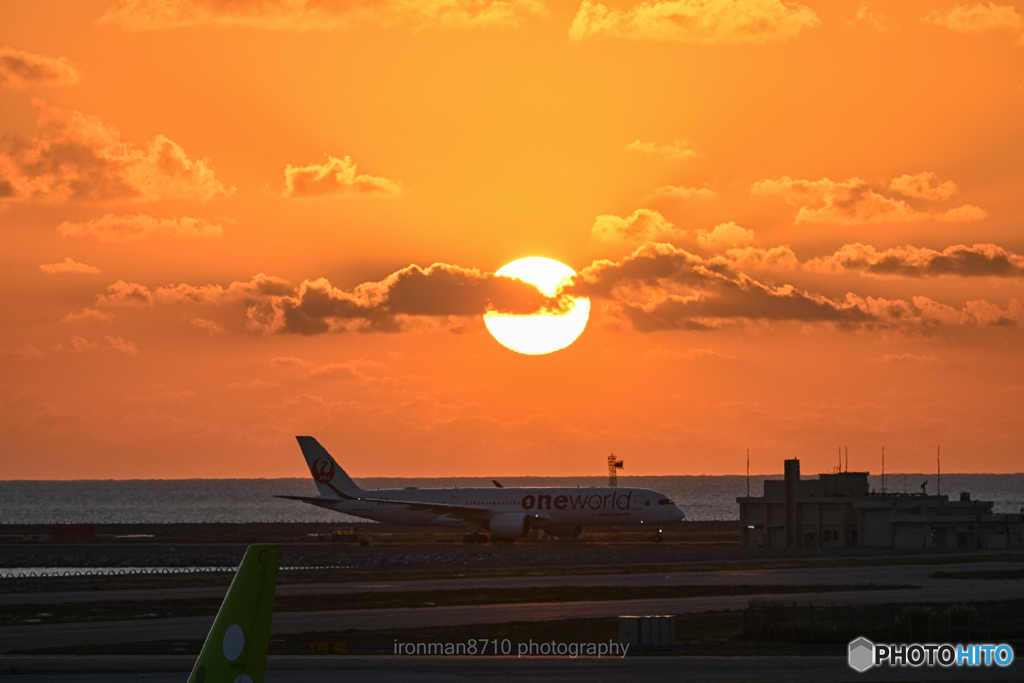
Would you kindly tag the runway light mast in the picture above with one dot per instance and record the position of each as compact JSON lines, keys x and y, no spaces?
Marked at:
{"x":613,"y":467}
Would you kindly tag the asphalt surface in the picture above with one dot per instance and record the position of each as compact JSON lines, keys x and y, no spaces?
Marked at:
{"x":802,"y":576}
{"x":927,"y":589}
{"x":35,"y":636}
{"x":371,"y":669}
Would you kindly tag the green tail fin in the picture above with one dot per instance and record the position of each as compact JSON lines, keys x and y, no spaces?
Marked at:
{"x":236,"y":649}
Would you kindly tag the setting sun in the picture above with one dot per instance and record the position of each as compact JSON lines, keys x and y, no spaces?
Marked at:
{"x":543,"y":332}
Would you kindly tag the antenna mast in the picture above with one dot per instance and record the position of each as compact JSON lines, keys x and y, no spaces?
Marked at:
{"x":883,"y":470}
{"x":847,"y":450}
{"x":938,"y":458}
{"x":748,"y":473}
{"x":613,"y":467}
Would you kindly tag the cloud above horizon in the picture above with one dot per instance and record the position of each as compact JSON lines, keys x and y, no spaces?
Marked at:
{"x":272,"y":305}
{"x":113,"y":228}
{"x":209,"y":326}
{"x":87,"y":315}
{"x":979,"y":18}
{"x":68,"y":265}
{"x":20,"y":69}
{"x":675,"y":150}
{"x":322,"y":15}
{"x":980,"y":260}
{"x":730,"y":22}
{"x":643,"y":225}
{"x":872,"y":20}
{"x":661,"y":287}
{"x":854,"y":202}
{"x":121,"y":345}
{"x":81,"y":158}
{"x":904,"y":358}
{"x":438,"y":291}
{"x":924,"y":185}
{"x":723,"y":236}
{"x":335,"y":177}
{"x":683,"y":192}
{"x":259,"y":287}
{"x":780,"y":257}
{"x":658,"y":287}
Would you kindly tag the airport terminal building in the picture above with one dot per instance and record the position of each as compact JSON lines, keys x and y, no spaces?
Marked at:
{"x":839,"y":511}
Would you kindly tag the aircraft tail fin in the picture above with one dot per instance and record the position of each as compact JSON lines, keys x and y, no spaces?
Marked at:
{"x":329,"y":477}
{"x":236,"y":648}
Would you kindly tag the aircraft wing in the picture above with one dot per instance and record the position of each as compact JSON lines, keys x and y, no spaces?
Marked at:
{"x":456,"y":511}
{"x":313,"y":500}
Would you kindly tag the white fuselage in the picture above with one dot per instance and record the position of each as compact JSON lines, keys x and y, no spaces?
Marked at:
{"x":550,"y":507}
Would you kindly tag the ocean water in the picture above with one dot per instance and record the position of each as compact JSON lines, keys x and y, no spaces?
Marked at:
{"x":252,"y":500}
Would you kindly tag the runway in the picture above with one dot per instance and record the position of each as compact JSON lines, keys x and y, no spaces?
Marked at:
{"x":143,"y":630}
{"x":798,"y":576}
{"x":372,"y":669}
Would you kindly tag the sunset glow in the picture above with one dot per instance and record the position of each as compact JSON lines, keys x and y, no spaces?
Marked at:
{"x":795,"y":226}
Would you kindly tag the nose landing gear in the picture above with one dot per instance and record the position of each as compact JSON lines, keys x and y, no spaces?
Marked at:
{"x":658,"y":536}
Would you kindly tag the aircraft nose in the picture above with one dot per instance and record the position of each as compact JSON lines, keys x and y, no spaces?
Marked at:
{"x":679,"y":514}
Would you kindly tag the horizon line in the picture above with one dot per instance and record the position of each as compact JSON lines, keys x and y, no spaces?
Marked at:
{"x":506,"y":476}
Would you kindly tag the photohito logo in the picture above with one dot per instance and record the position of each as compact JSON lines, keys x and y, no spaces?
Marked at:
{"x":863,"y":654}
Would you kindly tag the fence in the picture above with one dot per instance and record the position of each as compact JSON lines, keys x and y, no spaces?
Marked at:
{"x":49,"y":572}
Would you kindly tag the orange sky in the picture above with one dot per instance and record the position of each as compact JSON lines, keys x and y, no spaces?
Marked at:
{"x":799,"y":224}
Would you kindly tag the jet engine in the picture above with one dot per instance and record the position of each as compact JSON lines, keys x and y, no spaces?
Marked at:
{"x":511,"y":525}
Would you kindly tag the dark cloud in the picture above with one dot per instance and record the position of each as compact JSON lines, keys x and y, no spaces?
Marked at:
{"x":652,"y":265}
{"x":438,"y":291}
{"x":661,"y":287}
{"x":259,"y":287}
{"x":980,"y":260}
{"x":20,"y":69}
{"x":742,"y":300}
{"x":123,"y":293}
{"x":658,"y":287}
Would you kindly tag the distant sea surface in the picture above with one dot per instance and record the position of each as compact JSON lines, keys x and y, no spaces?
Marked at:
{"x":252,"y":500}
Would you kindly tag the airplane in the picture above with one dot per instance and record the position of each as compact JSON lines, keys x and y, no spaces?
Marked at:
{"x":506,"y":513}
{"x":235,"y":650}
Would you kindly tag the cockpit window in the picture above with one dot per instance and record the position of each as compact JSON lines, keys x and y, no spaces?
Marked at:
{"x":665,"y":501}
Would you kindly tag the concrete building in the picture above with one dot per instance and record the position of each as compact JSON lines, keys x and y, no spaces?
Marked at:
{"x":839,"y":511}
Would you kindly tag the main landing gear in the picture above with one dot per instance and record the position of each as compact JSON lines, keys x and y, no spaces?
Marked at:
{"x":470,"y":539}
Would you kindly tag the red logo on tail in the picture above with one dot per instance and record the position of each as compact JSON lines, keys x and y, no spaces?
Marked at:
{"x":323,"y":470}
